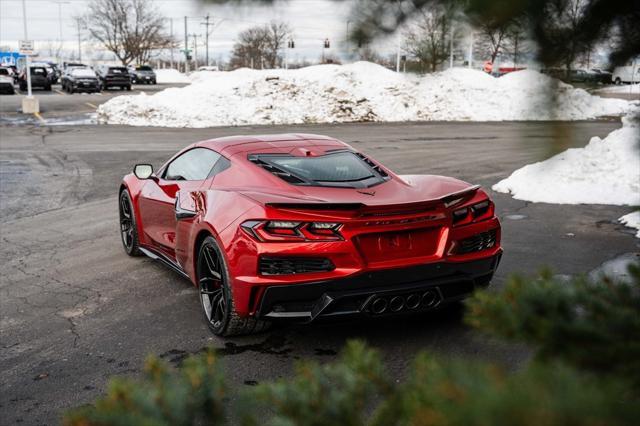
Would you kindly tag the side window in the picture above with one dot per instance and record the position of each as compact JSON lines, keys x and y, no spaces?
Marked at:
{"x":194,"y":164}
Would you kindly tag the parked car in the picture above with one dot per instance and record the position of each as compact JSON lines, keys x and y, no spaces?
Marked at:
{"x":66,"y":73}
{"x":209,"y":68}
{"x":52,"y":74}
{"x":142,"y":74}
{"x":57,"y":73}
{"x":629,"y":73}
{"x":305,"y":228}
{"x":16,"y":74}
{"x":114,"y":76}
{"x":39,"y":78}
{"x":569,"y":76}
{"x":601,"y":76}
{"x":6,"y":81}
{"x":81,"y":80}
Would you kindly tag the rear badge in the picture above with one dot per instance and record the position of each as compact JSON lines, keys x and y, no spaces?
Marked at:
{"x":372,"y":193}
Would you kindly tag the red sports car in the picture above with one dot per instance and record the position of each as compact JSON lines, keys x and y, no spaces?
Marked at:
{"x":303,"y":227}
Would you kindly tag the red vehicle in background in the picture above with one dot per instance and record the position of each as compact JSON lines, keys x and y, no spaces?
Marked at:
{"x":303,"y":227}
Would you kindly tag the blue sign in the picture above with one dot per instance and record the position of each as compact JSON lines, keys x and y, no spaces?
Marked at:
{"x":9,"y":58}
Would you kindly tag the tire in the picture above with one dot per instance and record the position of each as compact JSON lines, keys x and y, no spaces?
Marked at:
{"x":128,"y":227}
{"x":23,"y":87}
{"x":215,"y":296}
{"x":129,"y":88}
{"x":618,"y":81}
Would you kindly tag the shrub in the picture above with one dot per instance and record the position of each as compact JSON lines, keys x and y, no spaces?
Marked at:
{"x":591,"y":324}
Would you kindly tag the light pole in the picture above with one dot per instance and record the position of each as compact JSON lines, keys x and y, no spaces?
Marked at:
{"x":59,"y":3}
{"x":30,"y":104}
{"x":78,"y":22}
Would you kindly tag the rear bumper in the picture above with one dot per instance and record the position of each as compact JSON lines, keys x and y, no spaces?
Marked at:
{"x":390,"y":291}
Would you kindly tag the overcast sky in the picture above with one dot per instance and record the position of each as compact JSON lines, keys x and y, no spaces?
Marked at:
{"x":312,"y":21}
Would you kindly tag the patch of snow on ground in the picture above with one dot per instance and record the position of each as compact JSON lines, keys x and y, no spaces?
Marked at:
{"x":632,"y":220}
{"x":633,"y":89}
{"x":606,"y":171}
{"x":168,"y":75}
{"x":356,"y":92}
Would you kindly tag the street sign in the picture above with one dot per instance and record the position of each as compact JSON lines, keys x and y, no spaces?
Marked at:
{"x":26,"y":47}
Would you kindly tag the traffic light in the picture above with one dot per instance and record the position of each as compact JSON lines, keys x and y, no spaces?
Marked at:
{"x":326,"y":43}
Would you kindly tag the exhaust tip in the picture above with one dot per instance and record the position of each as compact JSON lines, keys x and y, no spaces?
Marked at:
{"x":379,"y":305}
{"x":413,"y":301}
{"x":396,"y":304}
{"x":429,"y":298}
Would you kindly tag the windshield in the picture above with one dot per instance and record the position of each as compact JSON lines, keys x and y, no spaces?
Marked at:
{"x":343,"y":168}
{"x":4,"y":71}
{"x":117,"y":71}
{"x":83,"y":72}
{"x":38,"y":71}
{"x":144,"y":68}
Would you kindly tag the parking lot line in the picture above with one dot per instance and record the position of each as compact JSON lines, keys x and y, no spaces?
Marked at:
{"x":59,"y":91}
{"x":91,"y":105}
{"x":37,"y":114}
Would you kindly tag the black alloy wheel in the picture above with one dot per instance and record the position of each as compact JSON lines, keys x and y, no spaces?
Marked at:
{"x":215,"y":294}
{"x":128,"y":230}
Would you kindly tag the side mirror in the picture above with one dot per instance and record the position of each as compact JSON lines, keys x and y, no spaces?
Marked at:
{"x":143,"y":171}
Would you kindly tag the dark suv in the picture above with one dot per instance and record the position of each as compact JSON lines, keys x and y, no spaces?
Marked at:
{"x":39,"y":78}
{"x":114,"y":76}
{"x":142,"y":74}
{"x":81,"y":80}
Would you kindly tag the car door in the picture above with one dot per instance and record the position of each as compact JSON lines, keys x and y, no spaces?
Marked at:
{"x":188,"y":171}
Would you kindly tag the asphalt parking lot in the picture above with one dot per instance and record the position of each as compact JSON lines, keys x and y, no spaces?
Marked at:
{"x":57,"y":103}
{"x":76,"y":310}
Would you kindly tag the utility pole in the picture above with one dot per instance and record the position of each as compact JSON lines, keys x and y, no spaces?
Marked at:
{"x":471,"y":51}
{"x":346,"y":40}
{"x":451,"y":46}
{"x":171,"y":51}
{"x":186,"y":47}
{"x":207,"y":24}
{"x":60,"y":3}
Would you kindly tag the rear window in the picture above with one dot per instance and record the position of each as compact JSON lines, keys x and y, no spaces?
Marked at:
{"x":144,"y":68}
{"x":4,"y":71}
{"x":117,"y":71}
{"x":338,"y":169}
{"x":82,"y":72}
{"x":38,"y":71}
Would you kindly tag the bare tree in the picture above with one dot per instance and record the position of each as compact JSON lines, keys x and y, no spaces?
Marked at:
{"x":131,"y":29}
{"x":493,"y":37}
{"x":260,"y":46}
{"x":428,"y":38}
{"x":278,"y":34}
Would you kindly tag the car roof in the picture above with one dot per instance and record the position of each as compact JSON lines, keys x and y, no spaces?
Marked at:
{"x":231,"y":145}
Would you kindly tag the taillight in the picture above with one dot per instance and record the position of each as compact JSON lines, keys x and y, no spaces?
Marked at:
{"x":283,"y":230}
{"x":475,"y":212}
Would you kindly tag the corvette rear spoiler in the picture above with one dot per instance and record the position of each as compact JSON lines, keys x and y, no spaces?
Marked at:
{"x":449,"y":200}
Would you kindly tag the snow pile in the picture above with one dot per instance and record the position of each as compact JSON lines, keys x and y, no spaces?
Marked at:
{"x":625,"y":88}
{"x":606,"y":171}
{"x":357,"y":92}
{"x":170,"y":75}
{"x":632,"y":220}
